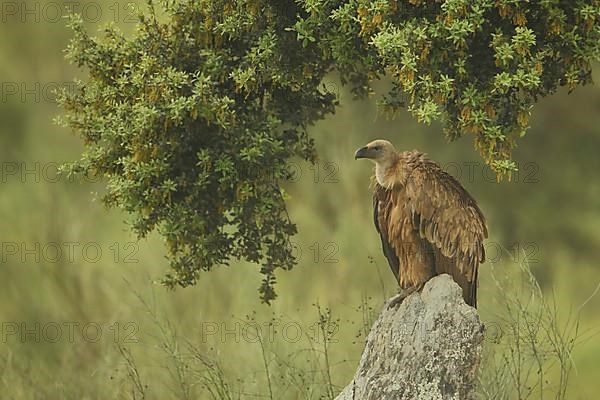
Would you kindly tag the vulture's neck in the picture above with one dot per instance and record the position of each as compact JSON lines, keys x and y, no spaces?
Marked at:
{"x":388,"y":172}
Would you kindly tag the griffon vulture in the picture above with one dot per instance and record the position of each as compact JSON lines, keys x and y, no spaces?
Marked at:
{"x":428,"y":223}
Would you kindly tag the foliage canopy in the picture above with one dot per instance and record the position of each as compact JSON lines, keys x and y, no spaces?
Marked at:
{"x":193,"y":119}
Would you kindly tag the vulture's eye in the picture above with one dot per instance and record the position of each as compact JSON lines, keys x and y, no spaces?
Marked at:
{"x":377,"y":148}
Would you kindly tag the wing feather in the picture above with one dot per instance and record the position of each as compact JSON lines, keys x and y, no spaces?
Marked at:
{"x":446,"y":216}
{"x":381,"y":210}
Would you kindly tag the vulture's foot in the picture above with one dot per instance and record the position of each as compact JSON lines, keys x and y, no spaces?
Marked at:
{"x":399,"y":298}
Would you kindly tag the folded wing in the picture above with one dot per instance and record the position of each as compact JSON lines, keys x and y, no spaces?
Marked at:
{"x":430,"y":225}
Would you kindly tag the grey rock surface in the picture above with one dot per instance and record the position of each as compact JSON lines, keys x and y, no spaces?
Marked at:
{"x":427,"y":348}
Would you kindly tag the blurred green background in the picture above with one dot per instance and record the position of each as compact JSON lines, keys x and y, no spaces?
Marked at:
{"x":77,"y":298}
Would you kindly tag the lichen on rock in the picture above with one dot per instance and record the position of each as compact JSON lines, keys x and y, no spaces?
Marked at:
{"x":427,"y":348}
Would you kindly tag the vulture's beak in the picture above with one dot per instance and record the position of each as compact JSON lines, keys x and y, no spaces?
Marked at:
{"x":363,"y":152}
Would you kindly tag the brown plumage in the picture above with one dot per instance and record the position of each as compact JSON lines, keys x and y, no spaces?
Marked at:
{"x":428,"y":223}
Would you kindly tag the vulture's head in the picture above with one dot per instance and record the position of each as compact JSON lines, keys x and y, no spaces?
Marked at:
{"x":378,"y":151}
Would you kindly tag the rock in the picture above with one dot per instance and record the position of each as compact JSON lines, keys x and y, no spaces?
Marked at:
{"x":427,"y":348}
